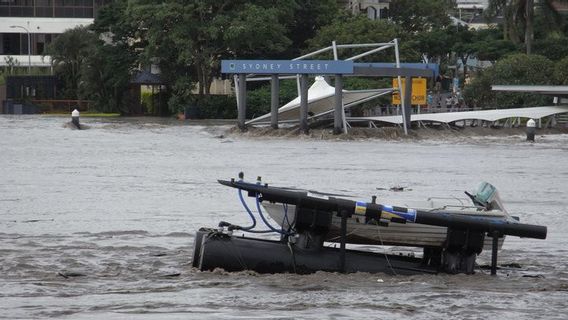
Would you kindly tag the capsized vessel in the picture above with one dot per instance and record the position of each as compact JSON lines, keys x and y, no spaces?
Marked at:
{"x":318,"y":217}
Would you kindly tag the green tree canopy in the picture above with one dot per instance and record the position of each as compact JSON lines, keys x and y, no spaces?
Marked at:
{"x":560,"y":74}
{"x":68,"y":54}
{"x":187,"y":39}
{"x":421,"y":16}
{"x":355,"y":29}
{"x":518,"y":69}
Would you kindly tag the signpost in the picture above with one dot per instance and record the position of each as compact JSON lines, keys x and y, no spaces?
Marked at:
{"x":418,"y":91}
{"x":337,"y":68}
{"x":287,"y":66}
{"x":276,"y":67}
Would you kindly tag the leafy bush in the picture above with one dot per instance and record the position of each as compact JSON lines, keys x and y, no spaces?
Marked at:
{"x":519,"y":69}
{"x":560,"y":74}
{"x":212,"y":107}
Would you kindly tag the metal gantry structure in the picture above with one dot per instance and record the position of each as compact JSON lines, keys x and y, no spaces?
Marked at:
{"x":358,"y":69}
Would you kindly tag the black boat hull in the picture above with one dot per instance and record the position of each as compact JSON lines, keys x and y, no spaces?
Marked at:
{"x":217,"y":250}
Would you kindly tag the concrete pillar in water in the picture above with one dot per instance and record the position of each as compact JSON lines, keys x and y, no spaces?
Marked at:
{"x":75,"y":118}
{"x":304,"y":104}
{"x":242,"y":96}
{"x":531,"y":130}
{"x":338,"y":110}
{"x":274,"y":101}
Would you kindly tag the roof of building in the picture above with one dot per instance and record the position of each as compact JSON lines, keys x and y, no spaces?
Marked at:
{"x":146,"y":78}
{"x":559,"y":91}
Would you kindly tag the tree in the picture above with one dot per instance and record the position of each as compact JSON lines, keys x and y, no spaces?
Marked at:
{"x":560,"y":74}
{"x":419,"y":16}
{"x":518,"y":69}
{"x":433,"y":46}
{"x":114,"y":55}
{"x":105,"y":76}
{"x":309,"y":17}
{"x":520,"y":16}
{"x":187,"y":39}
{"x":554,"y":46}
{"x":490,"y":45}
{"x":68,"y":53}
{"x":355,"y":29}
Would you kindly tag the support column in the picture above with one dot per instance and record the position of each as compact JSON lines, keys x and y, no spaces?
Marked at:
{"x":338,"y":109}
{"x":274,"y":101}
{"x":242,"y":96}
{"x":342,"y":251}
{"x":304,"y":104}
{"x":494,"y":251}
{"x":406,"y":111}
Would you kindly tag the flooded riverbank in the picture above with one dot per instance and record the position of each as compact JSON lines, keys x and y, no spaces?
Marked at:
{"x":100,"y":223}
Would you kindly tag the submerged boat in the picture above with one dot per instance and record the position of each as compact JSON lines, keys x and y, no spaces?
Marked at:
{"x":484,"y":203}
{"x":451,"y":235}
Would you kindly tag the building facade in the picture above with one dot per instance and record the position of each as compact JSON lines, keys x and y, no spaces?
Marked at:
{"x":374,"y":9}
{"x":28,"y":26}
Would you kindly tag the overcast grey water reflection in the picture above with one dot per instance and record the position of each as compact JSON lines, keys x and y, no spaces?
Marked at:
{"x":100,"y":223}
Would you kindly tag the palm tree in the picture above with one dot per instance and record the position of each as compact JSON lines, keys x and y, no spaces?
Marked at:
{"x":519,"y":17}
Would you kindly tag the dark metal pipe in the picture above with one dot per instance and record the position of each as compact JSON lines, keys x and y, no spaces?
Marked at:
{"x":344,"y":215}
{"x":489,"y":225}
{"x":494,"y":249}
{"x":374,"y":211}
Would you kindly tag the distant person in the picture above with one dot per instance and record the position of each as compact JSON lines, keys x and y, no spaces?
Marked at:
{"x":438,"y":85}
{"x":455,"y":104}
{"x":448,"y":102}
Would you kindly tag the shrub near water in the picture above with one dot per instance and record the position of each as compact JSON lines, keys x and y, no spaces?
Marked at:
{"x":519,"y":69}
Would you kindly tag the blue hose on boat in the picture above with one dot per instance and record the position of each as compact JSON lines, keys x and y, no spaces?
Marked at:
{"x":282,"y":232}
{"x":248,"y":211}
{"x":249,"y":228}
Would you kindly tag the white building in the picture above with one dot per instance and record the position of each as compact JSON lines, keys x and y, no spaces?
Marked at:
{"x":374,"y":9}
{"x":472,"y":4}
{"x":28,"y":26}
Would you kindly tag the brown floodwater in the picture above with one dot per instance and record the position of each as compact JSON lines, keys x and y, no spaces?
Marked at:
{"x":100,"y":223}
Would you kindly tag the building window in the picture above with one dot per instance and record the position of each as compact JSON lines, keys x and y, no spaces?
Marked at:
{"x":12,"y":44}
{"x":50,"y":8}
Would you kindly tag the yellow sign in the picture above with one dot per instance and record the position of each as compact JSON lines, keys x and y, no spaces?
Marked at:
{"x":418,"y":91}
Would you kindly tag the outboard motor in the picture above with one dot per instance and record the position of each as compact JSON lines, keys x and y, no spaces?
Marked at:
{"x":487,"y":197}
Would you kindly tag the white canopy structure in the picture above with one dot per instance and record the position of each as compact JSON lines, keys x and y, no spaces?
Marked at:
{"x":485,"y":115}
{"x":321,"y":102}
{"x":559,"y":91}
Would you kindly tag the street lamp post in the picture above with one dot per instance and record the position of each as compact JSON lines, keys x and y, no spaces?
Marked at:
{"x":29,"y":47}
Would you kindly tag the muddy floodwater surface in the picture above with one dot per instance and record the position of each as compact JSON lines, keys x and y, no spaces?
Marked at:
{"x":100,"y":223}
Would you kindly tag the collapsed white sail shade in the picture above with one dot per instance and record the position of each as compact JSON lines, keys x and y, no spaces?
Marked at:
{"x":486,"y":115}
{"x":321,"y":101}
